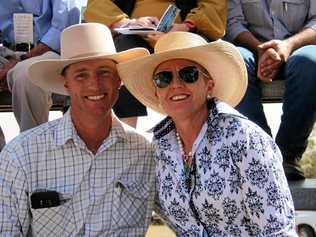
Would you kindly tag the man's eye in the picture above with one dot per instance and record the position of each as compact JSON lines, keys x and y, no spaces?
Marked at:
{"x":104,"y":73}
{"x":81,"y":76}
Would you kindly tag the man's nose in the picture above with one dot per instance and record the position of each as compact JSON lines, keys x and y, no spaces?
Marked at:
{"x":95,"y":81}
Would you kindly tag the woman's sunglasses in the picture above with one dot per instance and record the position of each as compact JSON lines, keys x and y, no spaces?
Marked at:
{"x":189,"y":74}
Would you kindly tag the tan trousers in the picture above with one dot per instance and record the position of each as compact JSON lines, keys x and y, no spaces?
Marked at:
{"x":30,"y":103}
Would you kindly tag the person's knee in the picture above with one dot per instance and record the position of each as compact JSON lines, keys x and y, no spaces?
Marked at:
{"x":302,"y":61}
{"x":125,"y":42}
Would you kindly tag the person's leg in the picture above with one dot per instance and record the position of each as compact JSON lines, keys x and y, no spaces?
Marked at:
{"x":250,"y":105}
{"x":299,"y":108}
{"x":30,"y":103}
{"x":127,"y":107}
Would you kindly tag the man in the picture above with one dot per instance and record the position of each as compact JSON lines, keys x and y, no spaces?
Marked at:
{"x":84,"y":174}
{"x":277,"y":40}
{"x":207,"y":18}
{"x":30,"y":103}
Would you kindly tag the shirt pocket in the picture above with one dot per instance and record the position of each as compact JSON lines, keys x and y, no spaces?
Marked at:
{"x":53,"y":221}
{"x":295,"y":14}
{"x":253,"y":12}
{"x":34,"y":7}
{"x":130,"y":204}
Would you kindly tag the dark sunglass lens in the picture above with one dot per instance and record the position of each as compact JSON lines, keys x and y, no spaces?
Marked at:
{"x":163,"y":79}
{"x":189,"y":74}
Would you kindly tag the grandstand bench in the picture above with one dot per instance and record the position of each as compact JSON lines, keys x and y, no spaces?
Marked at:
{"x":60,"y":102}
{"x":271,"y":93}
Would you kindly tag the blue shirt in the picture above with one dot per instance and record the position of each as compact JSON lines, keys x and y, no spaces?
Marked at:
{"x":110,"y":193}
{"x":50,"y":18}
{"x":267,"y":20}
{"x":237,"y":188}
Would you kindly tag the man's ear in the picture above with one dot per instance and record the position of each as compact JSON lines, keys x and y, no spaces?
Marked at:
{"x":120,"y":84}
{"x":63,"y":79}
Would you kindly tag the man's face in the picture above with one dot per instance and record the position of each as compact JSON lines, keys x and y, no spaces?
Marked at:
{"x":93,"y":86}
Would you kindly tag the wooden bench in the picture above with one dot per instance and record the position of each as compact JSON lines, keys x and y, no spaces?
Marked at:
{"x":60,"y":102}
{"x":271,"y":93}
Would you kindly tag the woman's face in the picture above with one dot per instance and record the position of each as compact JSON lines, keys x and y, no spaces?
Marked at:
{"x":182,"y":87}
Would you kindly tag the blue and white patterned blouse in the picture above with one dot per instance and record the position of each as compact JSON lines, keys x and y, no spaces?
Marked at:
{"x":238,"y":187}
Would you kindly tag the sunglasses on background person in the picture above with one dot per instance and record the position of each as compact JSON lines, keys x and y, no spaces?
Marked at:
{"x":188,"y":74}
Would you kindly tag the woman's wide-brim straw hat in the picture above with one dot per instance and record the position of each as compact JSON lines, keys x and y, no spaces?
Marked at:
{"x":221,"y":59}
{"x":78,"y":43}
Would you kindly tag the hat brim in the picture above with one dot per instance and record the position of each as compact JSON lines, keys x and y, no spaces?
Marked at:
{"x":221,"y":59}
{"x":45,"y":73}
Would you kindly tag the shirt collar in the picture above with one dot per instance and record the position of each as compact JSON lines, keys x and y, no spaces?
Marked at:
{"x":66,"y":131}
{"x":215,"y":107}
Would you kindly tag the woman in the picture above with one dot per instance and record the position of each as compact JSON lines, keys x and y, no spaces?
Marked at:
{"x":218,"y":174}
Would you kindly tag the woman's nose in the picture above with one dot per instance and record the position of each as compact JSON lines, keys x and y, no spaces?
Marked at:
{"x":176,"y":80}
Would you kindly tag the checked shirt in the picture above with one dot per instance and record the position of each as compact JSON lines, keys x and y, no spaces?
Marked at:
{"x":107,"y":194}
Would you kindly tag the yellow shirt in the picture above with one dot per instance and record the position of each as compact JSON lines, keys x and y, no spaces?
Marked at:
{"x":209,"y":16}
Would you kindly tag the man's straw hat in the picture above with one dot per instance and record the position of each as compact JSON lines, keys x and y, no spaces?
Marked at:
{"x":79,"y":43}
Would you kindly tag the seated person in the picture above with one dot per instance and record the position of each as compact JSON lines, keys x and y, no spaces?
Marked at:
{"x":277,"y":40}
{"x":207,"y":18}
{"x":30,"y":103}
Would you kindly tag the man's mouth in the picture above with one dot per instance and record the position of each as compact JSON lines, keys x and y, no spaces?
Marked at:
{"x":95,"y":97}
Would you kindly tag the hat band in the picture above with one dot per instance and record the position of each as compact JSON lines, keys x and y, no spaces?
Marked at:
{"x":87,"y":55}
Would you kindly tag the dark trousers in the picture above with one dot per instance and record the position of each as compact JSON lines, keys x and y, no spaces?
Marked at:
{"x":127,"y":105}
{"x":299,"y":102}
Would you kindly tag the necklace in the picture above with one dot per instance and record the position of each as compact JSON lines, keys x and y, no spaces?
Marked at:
{"x":187,"y":157}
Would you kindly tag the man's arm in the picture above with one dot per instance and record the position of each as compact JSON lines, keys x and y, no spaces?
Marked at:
{"x":286,"y":47}
{"x":14,"y":212}
{"x":64,"y":13}
{"x":306,"y":36}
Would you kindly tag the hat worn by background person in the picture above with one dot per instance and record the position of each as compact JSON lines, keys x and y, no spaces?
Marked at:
{"x":77,"y":45}
{"x":221,"y":59}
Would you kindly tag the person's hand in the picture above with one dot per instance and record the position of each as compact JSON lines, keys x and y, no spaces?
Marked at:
{"x":282,"y":47}
{"x":175,"y":27}
{"x":269,"y":62}
{"x":4,"y":68}
{"x":146,"y":21}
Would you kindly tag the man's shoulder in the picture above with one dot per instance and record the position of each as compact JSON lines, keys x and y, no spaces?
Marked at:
{"x":31,"y":136}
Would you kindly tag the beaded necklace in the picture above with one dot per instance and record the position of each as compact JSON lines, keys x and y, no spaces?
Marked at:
{"x":187,"y":157}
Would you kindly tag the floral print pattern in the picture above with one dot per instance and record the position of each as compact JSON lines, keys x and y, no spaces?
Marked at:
{"x":237,"y":186}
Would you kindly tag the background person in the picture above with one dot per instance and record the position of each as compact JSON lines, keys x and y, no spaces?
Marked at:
{"x":31,"y":104}
{"x":277,"y":40}
{"x":218,"y":174}
{"x":83,"y":174}
{"x":207,"y":18}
